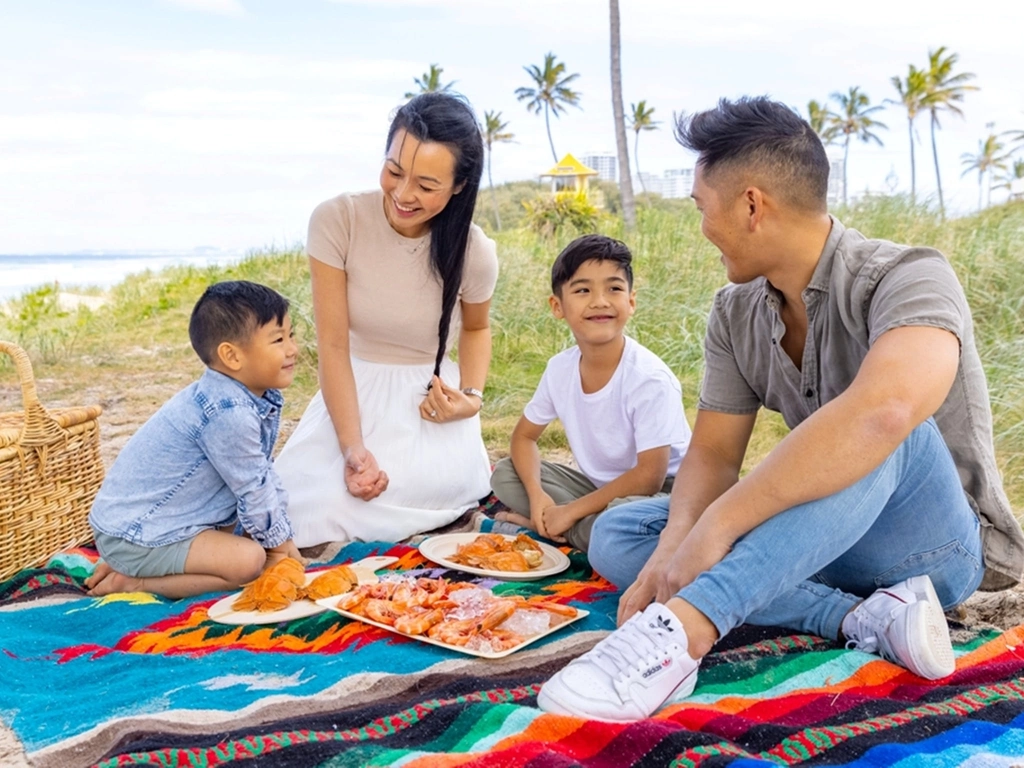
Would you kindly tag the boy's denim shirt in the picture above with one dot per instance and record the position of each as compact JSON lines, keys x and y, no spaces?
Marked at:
{"x":201,"y":462}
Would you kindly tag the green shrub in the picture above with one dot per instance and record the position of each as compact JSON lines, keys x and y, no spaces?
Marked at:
{"x":547,"y":215}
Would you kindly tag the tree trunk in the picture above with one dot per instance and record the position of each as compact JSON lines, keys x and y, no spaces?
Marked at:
{"x":913,"y":167}
{"x":547,"y":122}
{"x":938,"y":177}
{"x":625,"y":177}
{"x":846,"y":153}
{"x":494,"y":195}
{"x":636,"y":157}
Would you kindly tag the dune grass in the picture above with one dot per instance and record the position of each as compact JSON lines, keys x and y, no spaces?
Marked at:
{"x":143,"y":326}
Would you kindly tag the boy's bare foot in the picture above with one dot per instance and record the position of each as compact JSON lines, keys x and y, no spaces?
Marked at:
{"x":98,"y":575}
{"x":106,"y":581}
{"x":516,"y":519}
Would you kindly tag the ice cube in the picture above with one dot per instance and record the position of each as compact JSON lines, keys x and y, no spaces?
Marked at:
{"x":469,"y":603}
{"x":528,"y":622}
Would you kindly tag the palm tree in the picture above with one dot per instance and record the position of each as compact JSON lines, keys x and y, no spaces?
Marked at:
{"x":854,"y":120}
{"x":823,"y":121}
{"x":990,"y":158}
{"x":945,"y":91}
{"x":551,"y":92}
{"x":494,"y":133}
{"x":1016,"y":137}
{"x":430,"y":82}
{"x":641,"y":120}
{"x":912,"y":91}
{"x":1012,"y":175}
{"x":625,"y":177}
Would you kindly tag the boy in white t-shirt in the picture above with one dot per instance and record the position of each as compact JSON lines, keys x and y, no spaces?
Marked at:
{"x":620,"y":405}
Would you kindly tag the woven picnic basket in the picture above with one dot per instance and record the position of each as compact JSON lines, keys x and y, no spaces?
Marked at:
{"x":50,"y":471}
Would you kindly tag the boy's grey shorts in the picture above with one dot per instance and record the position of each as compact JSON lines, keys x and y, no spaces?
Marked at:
{"x":143,"y":562}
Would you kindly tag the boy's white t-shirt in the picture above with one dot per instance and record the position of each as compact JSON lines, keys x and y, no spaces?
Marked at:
{"x":640,"y":408}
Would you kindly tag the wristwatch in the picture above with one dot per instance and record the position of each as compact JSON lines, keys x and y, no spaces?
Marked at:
{"x":472,"y":391}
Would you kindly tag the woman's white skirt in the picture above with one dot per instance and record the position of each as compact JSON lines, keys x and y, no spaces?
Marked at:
{"x":436,"y":471}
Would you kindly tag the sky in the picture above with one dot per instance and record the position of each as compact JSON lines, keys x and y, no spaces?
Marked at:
{"x":180,"y":124}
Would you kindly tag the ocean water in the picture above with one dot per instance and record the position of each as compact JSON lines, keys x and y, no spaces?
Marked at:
{"x":21,"y":273}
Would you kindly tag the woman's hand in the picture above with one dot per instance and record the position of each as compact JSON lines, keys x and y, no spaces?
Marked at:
{"x":444,"y":403}
{"x":363,"y":478}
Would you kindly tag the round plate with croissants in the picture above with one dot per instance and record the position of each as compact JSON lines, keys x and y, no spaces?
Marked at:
{"x":510,"y":558}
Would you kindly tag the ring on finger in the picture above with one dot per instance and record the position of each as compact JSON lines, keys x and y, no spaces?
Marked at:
{"x":433,"y":414}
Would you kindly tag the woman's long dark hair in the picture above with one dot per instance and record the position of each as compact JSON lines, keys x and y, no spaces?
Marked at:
{"x":447,"y":119}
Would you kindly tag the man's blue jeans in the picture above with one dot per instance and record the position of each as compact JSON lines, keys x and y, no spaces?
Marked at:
{"x":807,"y":567}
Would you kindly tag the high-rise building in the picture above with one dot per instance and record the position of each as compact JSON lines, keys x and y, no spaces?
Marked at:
{"x":835,"y":181}
{"x":605,"y":163}
{"x":674,"y":182}
{"x":677,"y":182}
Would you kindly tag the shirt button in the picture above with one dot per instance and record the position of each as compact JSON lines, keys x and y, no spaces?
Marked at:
{"x":809,"y":393}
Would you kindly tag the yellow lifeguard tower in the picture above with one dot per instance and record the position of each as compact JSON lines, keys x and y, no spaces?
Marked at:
{"x":570,"y":173}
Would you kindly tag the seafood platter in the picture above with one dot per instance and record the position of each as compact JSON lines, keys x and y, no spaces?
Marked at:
{"x":459,"y":616}
{"x":510,"y":558}
{"x":284,"y":591}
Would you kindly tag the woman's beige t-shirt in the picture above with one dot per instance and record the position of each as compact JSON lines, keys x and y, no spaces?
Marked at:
{"x":394,"y":297}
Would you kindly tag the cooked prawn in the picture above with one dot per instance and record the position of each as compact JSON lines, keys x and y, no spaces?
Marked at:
{"x":419,"y":622}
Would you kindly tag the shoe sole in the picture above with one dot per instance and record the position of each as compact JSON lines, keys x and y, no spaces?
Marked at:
{"x":551,"y":704}
{"x":930,"y":646}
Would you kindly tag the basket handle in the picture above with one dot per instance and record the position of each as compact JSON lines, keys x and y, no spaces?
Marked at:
{"x":40,"y":427}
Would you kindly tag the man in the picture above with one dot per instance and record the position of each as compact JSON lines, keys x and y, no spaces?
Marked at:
{"x":863,"y":523}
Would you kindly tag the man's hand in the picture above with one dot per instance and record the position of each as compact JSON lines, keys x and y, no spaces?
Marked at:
{"x":363,"y":478}
{"x":657,"y":579}
{"x":443,"y":403}
{"x":646,"y":587}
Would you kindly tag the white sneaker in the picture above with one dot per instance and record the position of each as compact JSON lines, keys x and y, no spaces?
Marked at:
{"x":629,"y":674}
{"x":904,"y":623}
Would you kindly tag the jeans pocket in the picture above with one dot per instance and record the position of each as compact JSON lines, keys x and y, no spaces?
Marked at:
{"x":954,"y":572}
{"x":652,"y":525}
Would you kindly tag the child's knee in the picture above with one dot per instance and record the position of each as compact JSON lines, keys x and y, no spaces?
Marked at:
{"x":248,"y":564}
{"x":504,"y":473}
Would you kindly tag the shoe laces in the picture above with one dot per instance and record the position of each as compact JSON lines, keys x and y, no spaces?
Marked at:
{"x":623,"y":650}
{"x":871,"y":633}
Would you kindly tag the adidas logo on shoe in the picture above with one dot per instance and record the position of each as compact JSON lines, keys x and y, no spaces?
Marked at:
{"x":657,"y":668}
{"x":627,"y":676}
{"x":662,"y":623}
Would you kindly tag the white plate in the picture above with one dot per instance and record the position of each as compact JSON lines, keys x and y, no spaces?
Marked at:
{"x":439,"y":548}
{"x":223,"y":613}
{"x":329,"y":603}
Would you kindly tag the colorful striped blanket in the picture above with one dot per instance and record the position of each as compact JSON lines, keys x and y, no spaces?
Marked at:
{"x":138,"y":680}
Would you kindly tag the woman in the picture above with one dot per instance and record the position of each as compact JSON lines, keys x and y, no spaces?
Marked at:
{"x":391,"y":444}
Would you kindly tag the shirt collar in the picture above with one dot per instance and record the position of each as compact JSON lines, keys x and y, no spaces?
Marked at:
{"x":271,"y":399}
{"x":822,"y":277}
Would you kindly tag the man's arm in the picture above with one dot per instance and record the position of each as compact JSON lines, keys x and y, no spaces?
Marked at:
{"x":710,"y":467}
{"x":902,"y":381}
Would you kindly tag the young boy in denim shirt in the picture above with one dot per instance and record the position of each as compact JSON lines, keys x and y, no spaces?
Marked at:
{"x":202,"y":464}
{"x":620,"y":405}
